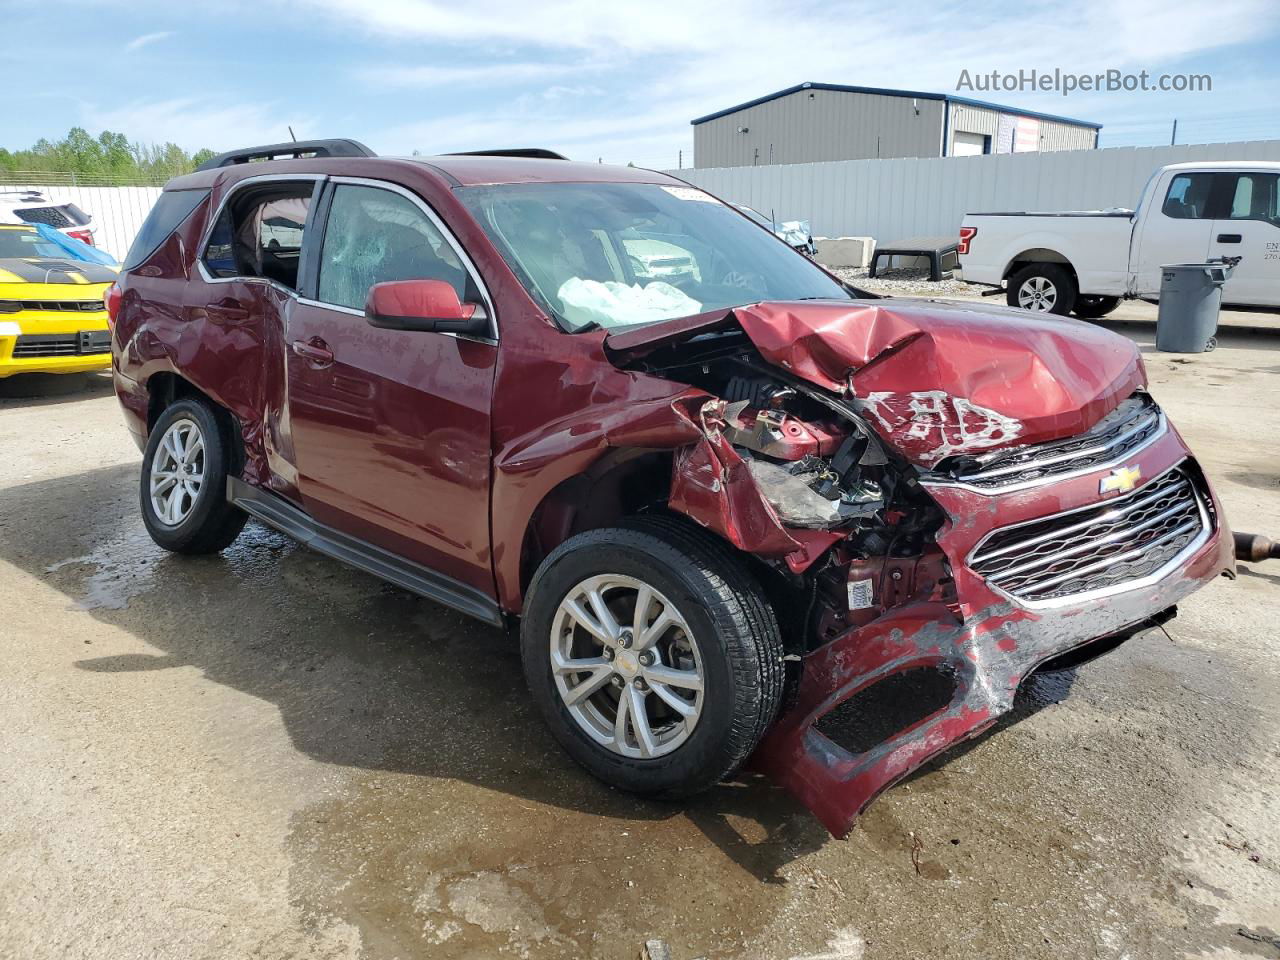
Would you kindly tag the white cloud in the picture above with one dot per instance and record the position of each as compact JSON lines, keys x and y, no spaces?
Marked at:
{"x":137,"y":43}
{"x":494,"y":75}
{"x":802,"y":34}
{"x":664,"y":63}
{"x":195,"y":123}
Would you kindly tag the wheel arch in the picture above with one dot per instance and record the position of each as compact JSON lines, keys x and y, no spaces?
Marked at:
{"x":165,"y":388}
{"x":1034,"y":255}
{"x":621,"y":483}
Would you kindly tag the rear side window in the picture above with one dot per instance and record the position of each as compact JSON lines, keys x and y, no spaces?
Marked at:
{"x":260,"y":232}
{"x":173,"y":207}
{"x":1256,"y":197}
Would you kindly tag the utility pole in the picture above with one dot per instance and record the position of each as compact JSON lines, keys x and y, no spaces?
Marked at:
{"x":680,"y":160}
{"x":1173,"y":138}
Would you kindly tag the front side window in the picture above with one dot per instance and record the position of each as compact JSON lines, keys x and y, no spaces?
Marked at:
{"x":1188,"y":196}
{"x":260,"y":233}
{"x":1255,"y":198}
{"x":374,"y":236}
{"x":617,"y":254}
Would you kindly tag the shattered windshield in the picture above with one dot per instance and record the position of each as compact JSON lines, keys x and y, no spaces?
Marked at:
{"x":617,"y":254}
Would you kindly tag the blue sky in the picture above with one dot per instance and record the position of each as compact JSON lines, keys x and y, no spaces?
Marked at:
{"x":596,"y":79}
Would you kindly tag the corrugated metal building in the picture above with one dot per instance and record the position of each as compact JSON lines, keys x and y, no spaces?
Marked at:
{"x":825,"y":121}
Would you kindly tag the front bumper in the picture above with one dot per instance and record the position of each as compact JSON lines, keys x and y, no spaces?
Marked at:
{"x":14,"y":328}
{"x":985,"y":646}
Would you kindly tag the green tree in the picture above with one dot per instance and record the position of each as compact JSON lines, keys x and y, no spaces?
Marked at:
{"x":109,"y":157}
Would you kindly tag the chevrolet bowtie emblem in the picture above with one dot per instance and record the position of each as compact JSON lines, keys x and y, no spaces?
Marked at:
{"x":1121,"y":480}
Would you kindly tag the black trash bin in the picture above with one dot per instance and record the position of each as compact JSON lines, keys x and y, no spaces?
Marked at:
{"x":1190,"y":298}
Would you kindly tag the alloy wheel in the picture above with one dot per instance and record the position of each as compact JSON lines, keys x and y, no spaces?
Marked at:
{"x":177,"y":472}
{"x":627,"y":666}
{"x":1037,"y":293}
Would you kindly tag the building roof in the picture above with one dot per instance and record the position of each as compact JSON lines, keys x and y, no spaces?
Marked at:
{"x":885,"y":92}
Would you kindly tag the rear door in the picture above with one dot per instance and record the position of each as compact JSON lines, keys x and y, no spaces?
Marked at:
{"x":250,"y":264}
{"x":391,"y":428}
{"x":1176,"y":229}
{"x":1249,"y":227}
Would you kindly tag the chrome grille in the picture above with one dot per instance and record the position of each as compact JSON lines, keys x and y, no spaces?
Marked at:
{"x":1100,"y":549}
{"x":1123,"y":431}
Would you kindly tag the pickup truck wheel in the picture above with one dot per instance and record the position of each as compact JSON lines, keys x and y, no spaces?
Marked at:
{"x":1090,"y":307}
{"x":184,"y":481}
{"x":653,"y":656}
{"x":1042,"y":287}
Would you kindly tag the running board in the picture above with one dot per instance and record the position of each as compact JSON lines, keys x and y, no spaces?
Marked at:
{"x":275,"y":511}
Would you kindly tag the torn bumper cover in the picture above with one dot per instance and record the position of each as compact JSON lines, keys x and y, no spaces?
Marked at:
{"x":984,"y":650}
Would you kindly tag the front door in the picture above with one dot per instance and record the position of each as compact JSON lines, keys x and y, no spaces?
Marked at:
{"x":1176,"y":230}
{"x":390,"y":428}
{"x":1250,"y":229}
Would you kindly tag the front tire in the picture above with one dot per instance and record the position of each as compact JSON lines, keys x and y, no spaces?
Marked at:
{"x":188,"y":457}
{"x":653,"y":656}
{"x":1042,"y":288}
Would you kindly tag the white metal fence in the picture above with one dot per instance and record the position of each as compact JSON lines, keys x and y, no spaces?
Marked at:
{"x":885,"y":199}
{"x":895,"y":199}
{"x":117,"y":212}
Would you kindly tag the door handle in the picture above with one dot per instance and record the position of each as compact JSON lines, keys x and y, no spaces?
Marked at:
{"x":1229,"y":238}
{"x":225,"y":311}
{"x":315,"y":351}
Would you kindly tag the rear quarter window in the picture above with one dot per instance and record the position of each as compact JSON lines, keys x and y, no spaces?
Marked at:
{"x":173,"y":207}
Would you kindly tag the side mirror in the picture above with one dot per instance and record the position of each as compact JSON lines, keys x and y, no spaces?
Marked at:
{"x":423,"y":305}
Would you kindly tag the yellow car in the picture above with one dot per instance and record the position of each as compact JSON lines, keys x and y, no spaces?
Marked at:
{"x":52,"y":318}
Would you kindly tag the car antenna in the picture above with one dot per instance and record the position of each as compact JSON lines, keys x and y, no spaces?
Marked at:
{"x":292,"y":135}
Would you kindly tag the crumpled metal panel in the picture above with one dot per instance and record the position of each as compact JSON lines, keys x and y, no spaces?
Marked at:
{"x":936,"y":379}
{"x":712,"y":485}
{"x":987,"y":643}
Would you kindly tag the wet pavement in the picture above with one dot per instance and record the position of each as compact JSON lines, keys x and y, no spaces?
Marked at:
{"x":265,"y":754}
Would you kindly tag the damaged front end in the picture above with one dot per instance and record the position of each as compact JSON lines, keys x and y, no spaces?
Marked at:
{"x":942,"y":501}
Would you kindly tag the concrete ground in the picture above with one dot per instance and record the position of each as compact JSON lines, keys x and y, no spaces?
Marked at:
{"x":265,"y":754}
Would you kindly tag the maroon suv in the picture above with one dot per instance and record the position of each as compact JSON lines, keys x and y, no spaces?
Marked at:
{"x":737,"y":508}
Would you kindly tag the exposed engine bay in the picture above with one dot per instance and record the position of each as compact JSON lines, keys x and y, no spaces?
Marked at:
{"x":821,"y":468}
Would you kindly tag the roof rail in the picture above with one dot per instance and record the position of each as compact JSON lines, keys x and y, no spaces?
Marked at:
{"x":535,"y":153}
{"x":289,"y":151}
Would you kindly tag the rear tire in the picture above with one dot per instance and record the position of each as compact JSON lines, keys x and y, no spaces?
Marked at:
{"x":1089,"y":307}
{"x":185,"y":466}
{"x":1042,"y":288}
{"x":727,"y":635}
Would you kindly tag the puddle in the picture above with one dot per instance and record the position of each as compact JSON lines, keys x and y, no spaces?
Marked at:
{"x":129,"y":564}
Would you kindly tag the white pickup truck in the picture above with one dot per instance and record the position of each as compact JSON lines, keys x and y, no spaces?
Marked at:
{"x":1087,"y":261}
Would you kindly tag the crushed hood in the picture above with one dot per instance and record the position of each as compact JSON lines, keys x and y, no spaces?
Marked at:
{"x":934,"y":378}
